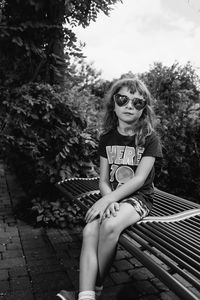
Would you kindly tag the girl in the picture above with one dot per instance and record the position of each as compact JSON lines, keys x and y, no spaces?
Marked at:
{"x":128,"y":149}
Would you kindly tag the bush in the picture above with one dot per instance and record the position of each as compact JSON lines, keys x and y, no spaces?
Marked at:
{"x":176,"y":90}
{"x":39,"y":124}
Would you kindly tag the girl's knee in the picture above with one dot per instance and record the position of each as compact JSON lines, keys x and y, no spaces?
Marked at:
{"x":109,"y":228}
{"x":90,"y":230}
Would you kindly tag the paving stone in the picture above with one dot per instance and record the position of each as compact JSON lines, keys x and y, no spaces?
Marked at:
{"x":12,"y":223}
{"x":42,"y":262}
{"x":151,"y":297}
{"x":13,"y":230}
{"x":33,"y":244}
{"x":4,"y":275}
{"x":2,"y":248}
{"x":46,"y":295}
{"x":18,"y":272}
{"x":145,"y":287}
{"x":30,"y":233}
{"x":14,"y":246}
{"x":25,"y":294}
{"x":60,"y":247}
{"x":122,"y":254}
{"x":5,"y":240}
{"x":20,"y":283}
{"x":158,"y":284}
{"x":168,"y":296}
{"x":108,"y":282}
{"x":10,"y":220}
{"x":12,"y":253}
{"x":51,"y":282}
{"x":120,"y":277}
{"x":12,"y":262}
{"x":15,"y":240}
{"x":140,"y":274}
{"x":38,"y":254}
{"x":123,"y":265}
{"x":74,"y":252}
{"x":6,"y":235}
{"x":3,"y":227}
{"x":47,"y":268}
{"x":4,"y":286}
{"x":120,"y":292}
{"x":135,"y":262}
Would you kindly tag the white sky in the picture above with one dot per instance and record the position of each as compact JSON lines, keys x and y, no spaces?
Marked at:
{"x":140,"y":32}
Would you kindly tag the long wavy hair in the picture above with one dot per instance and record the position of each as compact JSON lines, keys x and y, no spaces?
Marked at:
{"x":146,"y":123}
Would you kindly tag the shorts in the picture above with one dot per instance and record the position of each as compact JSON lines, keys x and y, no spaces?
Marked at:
{"x":139,"y":206}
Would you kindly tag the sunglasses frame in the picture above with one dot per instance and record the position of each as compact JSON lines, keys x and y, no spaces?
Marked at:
{"x":133,"y":101}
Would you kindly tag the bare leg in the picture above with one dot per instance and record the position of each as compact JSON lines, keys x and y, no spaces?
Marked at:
{"x":88,"y":258}
{"x":110,"y":231}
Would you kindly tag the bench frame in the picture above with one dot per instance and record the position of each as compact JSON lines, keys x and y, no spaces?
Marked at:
{"x":130,"y":240}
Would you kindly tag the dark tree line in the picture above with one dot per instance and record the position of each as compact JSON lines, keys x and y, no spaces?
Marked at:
{"x":37,"y":38}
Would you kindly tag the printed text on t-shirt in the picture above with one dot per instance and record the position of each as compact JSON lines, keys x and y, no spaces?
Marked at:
{"x":124,"y":155}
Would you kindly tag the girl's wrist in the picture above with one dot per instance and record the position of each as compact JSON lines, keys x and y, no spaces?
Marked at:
{"x":110,"y":198}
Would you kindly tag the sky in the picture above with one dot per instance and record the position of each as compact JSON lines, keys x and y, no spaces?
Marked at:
{"x":139,"y":33}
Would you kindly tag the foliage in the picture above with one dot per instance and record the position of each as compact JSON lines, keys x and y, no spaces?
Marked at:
{"x":84,"y":94}
{"x":61,"y":213}
{"x":176,"y":89}
{"x":39,"y":125}
{"x":37,"y":38}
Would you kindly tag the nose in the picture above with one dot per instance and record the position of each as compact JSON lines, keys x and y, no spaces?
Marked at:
{"x":130,"y":104}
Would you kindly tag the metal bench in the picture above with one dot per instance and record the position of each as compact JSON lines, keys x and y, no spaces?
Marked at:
{"x":167,"y":242}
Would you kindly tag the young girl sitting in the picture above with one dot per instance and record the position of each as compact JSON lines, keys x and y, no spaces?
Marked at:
{"x":128,"y":149}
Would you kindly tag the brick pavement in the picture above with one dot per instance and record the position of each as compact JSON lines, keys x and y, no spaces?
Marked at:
{"x":35,"y":263}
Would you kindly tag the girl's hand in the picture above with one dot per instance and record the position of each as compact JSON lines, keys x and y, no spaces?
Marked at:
{"x":98,"y":209}
{"x":112,"y":209}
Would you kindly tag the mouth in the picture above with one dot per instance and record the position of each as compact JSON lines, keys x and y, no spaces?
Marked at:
{"x":128,"y":113}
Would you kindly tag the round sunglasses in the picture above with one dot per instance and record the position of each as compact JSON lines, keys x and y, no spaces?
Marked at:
{"x":122,"y":100}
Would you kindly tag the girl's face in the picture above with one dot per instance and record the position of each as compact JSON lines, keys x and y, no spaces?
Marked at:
{"x":128,"y":114}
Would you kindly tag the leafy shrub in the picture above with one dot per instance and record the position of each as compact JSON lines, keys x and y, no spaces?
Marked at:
{"x":39,"y":124}
{"x":176,"y":89}
{"x":60,"y":213}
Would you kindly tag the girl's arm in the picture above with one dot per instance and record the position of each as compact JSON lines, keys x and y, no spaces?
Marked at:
{"x":104,"y":184}
{"x":135,"y":183}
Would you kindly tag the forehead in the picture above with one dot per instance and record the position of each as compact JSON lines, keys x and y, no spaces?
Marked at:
{"x":124,"y":90}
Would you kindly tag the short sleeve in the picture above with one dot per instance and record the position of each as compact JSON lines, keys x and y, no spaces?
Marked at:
{"x":153,"y":146}
{"x":102,"y":146}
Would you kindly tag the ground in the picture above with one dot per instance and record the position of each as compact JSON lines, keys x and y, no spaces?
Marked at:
{"x":35,"y":263}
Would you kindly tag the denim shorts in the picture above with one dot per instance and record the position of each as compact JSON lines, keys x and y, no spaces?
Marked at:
{"x":140,"y":207}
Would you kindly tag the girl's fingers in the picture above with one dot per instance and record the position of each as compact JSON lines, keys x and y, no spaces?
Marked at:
{"x":88,"y":213}
{"x":113,"y":212}
{"x":116,"y":206}
{"x":101,"y":217}
{"x":108,"y":213}
{"x":92,"y":216}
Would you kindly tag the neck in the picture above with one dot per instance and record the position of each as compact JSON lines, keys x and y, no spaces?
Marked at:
{"x":126,"y":130}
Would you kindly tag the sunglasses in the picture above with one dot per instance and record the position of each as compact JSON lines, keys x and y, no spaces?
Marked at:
{"x":122,"y":100}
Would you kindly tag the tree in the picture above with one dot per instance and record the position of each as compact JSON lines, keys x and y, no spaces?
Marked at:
{"x":176,"y":90}
{"x":37,"y":37}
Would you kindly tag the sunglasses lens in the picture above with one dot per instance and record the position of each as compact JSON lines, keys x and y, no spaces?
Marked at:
{"x":121,"y":100}
{"x":139,"y":103}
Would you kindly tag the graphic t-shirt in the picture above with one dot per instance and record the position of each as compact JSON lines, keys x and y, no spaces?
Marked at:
{"x":124,"y":156}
